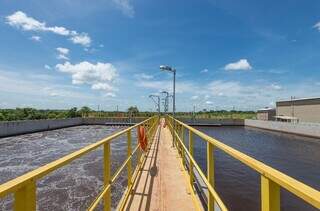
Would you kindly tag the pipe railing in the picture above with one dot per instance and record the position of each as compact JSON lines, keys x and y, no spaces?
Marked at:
{"x":24,"y":187}
{"x":271,"y":179}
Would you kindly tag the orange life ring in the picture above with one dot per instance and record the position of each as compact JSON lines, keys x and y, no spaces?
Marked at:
{"x":143,"y":142}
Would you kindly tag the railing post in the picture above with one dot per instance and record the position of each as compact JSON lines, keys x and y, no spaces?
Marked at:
{"x":25,"y":198}
{"x":191,"y":153}
{"x":181,"y":148}
{"x":210,"y":174}
{"x":106,"y":165}
{"x":270,"y":195}
{"x":179,"y":136}
{"x":129,"y":165}
{"x":139,"y":152}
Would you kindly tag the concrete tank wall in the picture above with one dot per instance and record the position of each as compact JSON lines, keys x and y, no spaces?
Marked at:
{"x":9,"y":128}
{"x":101,"y":121}
{"x":223,"y":122}
{"x":305,"y":129}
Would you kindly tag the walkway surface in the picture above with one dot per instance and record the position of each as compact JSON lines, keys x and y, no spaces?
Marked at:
{"x":161,"y":183}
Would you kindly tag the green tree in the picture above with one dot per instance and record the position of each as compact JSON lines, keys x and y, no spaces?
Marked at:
{"x":84,"y":111}
{"x":72,"y":112}
{"x":133,"y":110}
{"x":2,"y":117}
{"x":52,"y":116}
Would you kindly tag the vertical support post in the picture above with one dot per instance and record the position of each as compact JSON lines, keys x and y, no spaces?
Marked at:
{"x":191,"y":153}
{"x":129,"y":165}
{"x":139,"y":153}
{"x":210,"y":174}
{"x":182,"y":149}
{"x":106,"y":167}
{"x":25,"y":198}
{"x":270,"y":195}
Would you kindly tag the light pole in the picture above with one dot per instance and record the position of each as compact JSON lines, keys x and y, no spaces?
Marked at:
{"x":172,"y":70}
{"x":157,"y":103}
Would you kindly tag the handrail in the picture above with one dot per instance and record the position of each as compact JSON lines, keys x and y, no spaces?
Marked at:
{"x":114,"y":177}
{"x":24,"y":186}
{"x":271,"y":179}
{"x":193,"y":161}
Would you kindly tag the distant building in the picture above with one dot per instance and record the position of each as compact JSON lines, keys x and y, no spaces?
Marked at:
{"x":298,"y":110}
{"x":266,"y":114}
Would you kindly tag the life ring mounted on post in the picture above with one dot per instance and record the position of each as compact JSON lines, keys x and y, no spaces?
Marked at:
{"x":142,"y":138}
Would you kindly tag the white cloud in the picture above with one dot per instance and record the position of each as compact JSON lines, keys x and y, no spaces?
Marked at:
{"x":276,"y":87}
{"x":64,"y":51}
{"x":242,"y":64}
{"x":209,"y":102}
{"x":47,"y":67}
{"x":229,"y":88}
{"x":204,"y":71}
{"x":317,"y":26}
{"x":181,"y":87}
{"x":35,"y":38}
{"x":101,"y":86}
{"x":21,"y":21}
{"x":62,"y":57}
{"x":143,"y":76}
{"x":194,"y":97}
{"x":82,"y":39}
{"x":110,"y":94}
{"x":125,"y":6}
{"x":18,"y":89}
{"x":53,"y":94}
{"x":99,"y":75}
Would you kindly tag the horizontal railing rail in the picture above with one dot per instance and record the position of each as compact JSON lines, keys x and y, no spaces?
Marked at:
{"x":24,"y":187}
{"x":271,"y":179}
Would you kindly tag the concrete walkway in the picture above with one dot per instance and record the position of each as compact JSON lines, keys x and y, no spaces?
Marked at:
{"x":161,"y":183}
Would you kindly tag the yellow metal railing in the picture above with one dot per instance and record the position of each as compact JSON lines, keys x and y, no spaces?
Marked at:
{"x":24,"y":187}
{"x":271,"y":179}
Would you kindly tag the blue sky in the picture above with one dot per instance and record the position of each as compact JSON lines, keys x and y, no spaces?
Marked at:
{"x":248,"y":55}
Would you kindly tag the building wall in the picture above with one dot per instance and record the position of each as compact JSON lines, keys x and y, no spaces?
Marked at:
{"x":305,"y":113}
{"x":266,"y":115}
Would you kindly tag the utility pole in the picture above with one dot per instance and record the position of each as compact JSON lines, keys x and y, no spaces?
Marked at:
{"x":194,"y":113}
{"x":157,"y":102}
{"x":117,"y":109}
{"x":292,"y":106}
{"x":166,"y":101}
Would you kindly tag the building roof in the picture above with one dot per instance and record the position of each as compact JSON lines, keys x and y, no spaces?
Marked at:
{"x":266,"y":109}
{"x":300,"y":101}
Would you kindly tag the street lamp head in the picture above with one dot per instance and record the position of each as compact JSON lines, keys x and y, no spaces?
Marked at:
{"x":167,"y":68}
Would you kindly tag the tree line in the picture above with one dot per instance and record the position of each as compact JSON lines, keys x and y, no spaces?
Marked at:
{"x":33,"y":114}
{"x":133,"y":111}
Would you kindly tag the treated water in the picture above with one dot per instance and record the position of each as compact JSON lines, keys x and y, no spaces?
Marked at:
{"x":239,"y":185}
